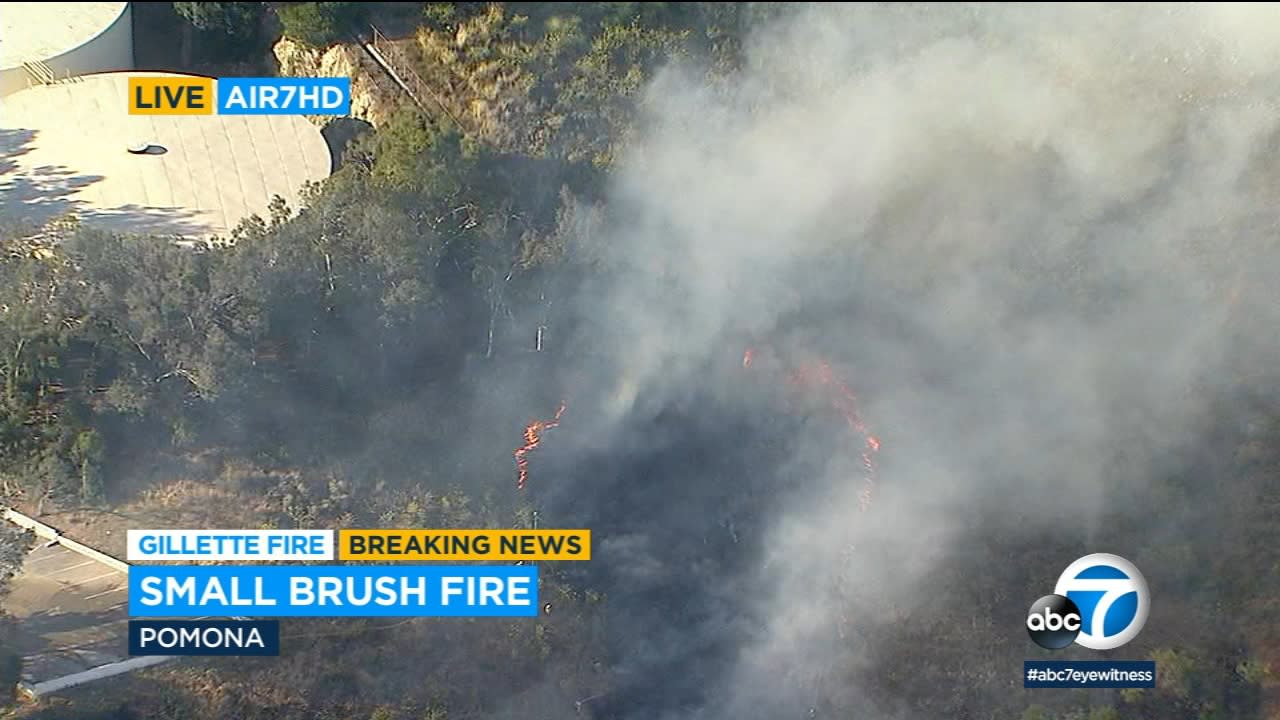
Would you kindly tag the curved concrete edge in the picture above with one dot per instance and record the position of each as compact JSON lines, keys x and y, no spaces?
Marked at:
{"x":102,"y":671}
{"x":29,"y":523}
{"x":50,"y":533}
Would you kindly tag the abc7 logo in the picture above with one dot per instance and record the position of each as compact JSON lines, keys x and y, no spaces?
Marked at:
{"x":1115,"y":603}
{"x":1053,"y":622}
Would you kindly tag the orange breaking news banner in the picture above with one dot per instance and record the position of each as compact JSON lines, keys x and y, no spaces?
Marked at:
{"x":498,"y":545}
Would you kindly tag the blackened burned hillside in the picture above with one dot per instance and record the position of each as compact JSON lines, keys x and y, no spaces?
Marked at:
{"x":682,"y":510}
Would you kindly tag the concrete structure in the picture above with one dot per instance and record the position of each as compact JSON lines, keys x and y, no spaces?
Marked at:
{"x":67,"y":144}
{"x":72,"y":614}
{"x":72,"y":603}
{"x":41,"y":42}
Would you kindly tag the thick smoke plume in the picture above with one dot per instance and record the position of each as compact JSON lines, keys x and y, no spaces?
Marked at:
{"x":1033,"y":239}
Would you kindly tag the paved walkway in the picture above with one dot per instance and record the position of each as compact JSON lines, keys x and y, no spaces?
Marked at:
{"x":72,"y":605}
{"x":72,"y":612}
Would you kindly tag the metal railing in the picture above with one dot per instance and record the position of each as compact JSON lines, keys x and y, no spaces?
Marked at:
{"x":40,"y":72}
{"x":393,"y":59}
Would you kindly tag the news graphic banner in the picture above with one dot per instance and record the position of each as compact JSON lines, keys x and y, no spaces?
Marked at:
{"x":1089,"y":674}
{"x":493,"y":545}
{"x":205,"y":637}
{"x":189,"y":95}
{"x":359,"y":545}
{"x":233,"y":545}
{"x":197,"y":591}
{"x":228,"y":596}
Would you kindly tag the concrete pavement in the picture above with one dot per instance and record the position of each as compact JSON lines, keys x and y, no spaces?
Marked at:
{"x":72,"y":612}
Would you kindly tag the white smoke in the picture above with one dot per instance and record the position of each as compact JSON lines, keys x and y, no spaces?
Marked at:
{"x":1060,"y":205}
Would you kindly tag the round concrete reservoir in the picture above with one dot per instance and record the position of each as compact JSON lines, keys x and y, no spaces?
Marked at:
{"x":60,"y":39}
{"x":74,"y":148}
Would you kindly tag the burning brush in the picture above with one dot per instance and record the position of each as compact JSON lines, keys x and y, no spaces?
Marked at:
{"x":811,"y":374}
{"x":845,"y":402}
{"x":532,"y":439}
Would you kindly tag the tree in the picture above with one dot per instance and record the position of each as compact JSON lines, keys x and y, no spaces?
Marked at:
{"x":596,"y":107}
{"x":14,"y":545}
{"x":239,"y":20}
{"x":319,"y":24}
{"x":1037,"y":712}
{"x":87,"y":453}
{"x":410,"y":154}
{"x":1177,"y":672}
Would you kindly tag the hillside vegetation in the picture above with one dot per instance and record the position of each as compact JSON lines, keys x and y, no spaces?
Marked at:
{"x":369,"y":359}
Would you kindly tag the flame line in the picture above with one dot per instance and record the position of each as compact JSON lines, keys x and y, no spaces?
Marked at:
{"x":532,"y":439}
{"x":845,"y":401}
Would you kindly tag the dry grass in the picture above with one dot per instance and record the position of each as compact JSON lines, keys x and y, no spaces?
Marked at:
{"x":177,"y":503}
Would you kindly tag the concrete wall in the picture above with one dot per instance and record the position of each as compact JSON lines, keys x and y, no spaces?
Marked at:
{"x":111,"y":49}
{"x":36,"y":691}
{"x":12,"y":80}
{"x":49,"y":533}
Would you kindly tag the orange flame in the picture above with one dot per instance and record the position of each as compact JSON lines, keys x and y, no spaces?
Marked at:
{"x":532,"y":439}
{"x":846,"y":403}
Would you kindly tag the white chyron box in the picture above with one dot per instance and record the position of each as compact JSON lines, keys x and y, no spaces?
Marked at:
{"x":230,"y":545}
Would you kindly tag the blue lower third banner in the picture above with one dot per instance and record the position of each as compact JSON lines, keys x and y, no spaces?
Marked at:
{"x":1089,"y":674}
{"x":333,"y":591}
{"x":284,"y":96}
{"x":204,"y":637}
